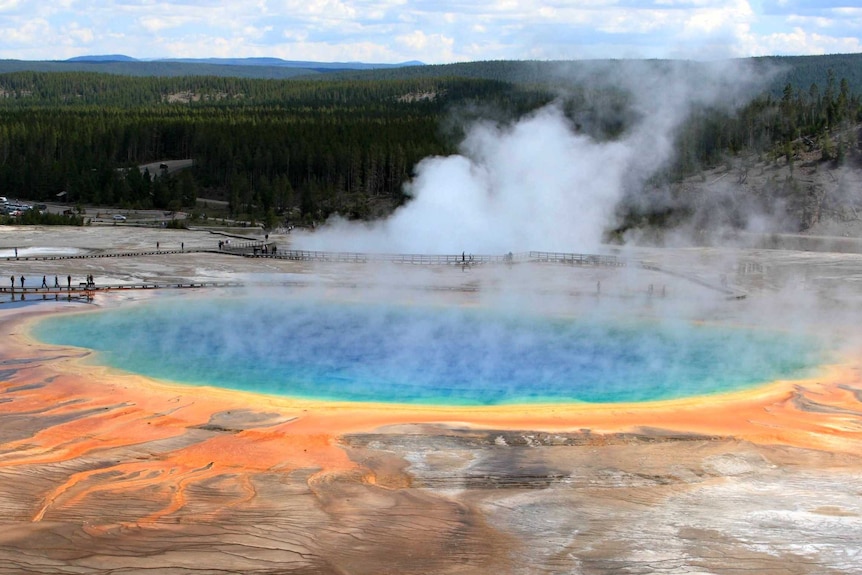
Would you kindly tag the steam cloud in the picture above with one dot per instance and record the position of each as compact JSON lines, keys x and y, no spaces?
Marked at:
{"x":539,"y":184}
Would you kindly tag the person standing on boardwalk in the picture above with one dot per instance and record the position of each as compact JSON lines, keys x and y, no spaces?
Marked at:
{"x":69,"y":282}
{"x":44,"y":281}
{"x":22,"y":282}
{"x":13,"y":283}
{"x":56,"y":282}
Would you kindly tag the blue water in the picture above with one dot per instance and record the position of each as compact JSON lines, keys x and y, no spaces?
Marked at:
{"x":426,"y":355}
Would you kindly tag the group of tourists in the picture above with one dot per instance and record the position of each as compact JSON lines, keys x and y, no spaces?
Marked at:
{"x":91,"y":283}
{"x":264,"y":249}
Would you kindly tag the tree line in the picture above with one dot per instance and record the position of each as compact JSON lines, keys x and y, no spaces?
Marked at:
{"x":267,"y":147}
{"x":778,"y":126}
{"x":309,"y":148}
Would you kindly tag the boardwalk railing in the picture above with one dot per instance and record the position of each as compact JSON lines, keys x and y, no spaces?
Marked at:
{"x":92,"y":287}
{"x":92,"y":255}
{"x":444,"y":259}
{"x":358,"y":257}
{"x":577,"y":259}
{"x":464,"y":260}
{"x":241,"y":247}
{"x":259,"y":249}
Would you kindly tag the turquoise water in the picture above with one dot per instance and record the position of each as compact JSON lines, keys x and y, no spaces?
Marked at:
{"x":426,"y":355}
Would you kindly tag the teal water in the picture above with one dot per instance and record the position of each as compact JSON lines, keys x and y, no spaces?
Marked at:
{"x":426,"y":355}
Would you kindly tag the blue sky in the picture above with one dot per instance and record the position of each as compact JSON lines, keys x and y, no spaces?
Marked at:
{"x":433,"y":31}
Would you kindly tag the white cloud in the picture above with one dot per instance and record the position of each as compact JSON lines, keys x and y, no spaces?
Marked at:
{"x":418,"y":42}
{"x":26,"y":34}
{"x":159,"y":23}
{"x":815,"y":22}
{"x":799,"y":41}
{"x":360,"y":51}
{"x":333,"y":9}
{"x":297,"y":36}
{"x":710,"y":20}
{"x":78,"y":35}
{"x":432,"y":31}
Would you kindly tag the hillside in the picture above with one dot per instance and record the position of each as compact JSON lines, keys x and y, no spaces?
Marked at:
{"x":264,"y":68}
{"x":800,"y":71}
{"x":809,"y":192}
{"x":320,"y":144}
{"x":164,"y":69}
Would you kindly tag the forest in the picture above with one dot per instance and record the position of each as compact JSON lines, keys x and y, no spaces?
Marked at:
{"x":302,"y":148}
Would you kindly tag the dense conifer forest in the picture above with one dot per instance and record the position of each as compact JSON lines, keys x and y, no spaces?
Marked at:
{"x":307,"y":147}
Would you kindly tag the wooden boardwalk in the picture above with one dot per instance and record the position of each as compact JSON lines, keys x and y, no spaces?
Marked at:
{"x":264,"y":250}
{"x":84,"y":290}
{"x":260,"y":249}
{"x":92,"y":255}
{"x":446,"y":259}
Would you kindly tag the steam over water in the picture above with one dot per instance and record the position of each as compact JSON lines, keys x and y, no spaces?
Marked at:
{"x":426,"y":355}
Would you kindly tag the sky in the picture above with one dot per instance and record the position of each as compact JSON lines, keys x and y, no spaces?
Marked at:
{"x":430,"y":31}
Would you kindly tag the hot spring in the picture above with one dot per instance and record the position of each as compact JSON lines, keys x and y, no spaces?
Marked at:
{"x":414,"y":354}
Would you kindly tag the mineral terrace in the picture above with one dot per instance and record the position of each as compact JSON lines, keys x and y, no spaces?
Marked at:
{"x":109,"y":472}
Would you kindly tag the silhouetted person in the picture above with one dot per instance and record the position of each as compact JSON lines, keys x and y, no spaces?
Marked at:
{"x":56,"y":282}
{"x":44,"y":281}
{"x":13,"y":283}
{"x":22,"y":281}
{"x":69,"y":282}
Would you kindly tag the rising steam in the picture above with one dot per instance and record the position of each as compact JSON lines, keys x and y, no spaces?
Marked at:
{"x":538,"y":183}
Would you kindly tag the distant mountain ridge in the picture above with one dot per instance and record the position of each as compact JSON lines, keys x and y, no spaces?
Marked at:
{"x":257,"y":61}
{"x":802,"y":72}
{"x":103,"y":58}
